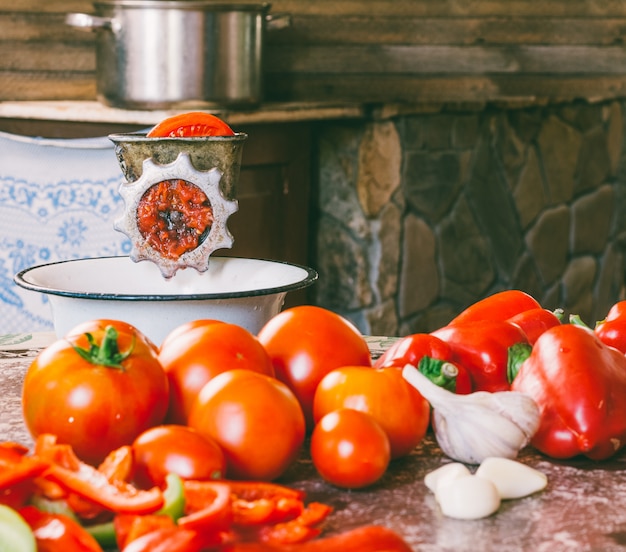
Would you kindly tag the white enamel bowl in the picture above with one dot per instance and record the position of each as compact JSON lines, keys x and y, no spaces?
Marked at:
{"x":247,"y":292}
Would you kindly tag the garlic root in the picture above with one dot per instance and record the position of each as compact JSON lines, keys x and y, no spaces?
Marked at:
{"x":471,"y":428}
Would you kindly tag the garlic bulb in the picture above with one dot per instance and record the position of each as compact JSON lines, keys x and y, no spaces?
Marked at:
{"x":471,"y":428}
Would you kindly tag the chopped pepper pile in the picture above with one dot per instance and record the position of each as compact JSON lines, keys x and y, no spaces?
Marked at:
{"x":70,"y":505}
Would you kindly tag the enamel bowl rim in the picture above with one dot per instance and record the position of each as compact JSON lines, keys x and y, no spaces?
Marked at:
{"x":310,"y":275}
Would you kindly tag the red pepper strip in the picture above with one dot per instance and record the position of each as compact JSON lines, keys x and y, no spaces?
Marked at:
{"x":301,"y":529}
{"x":93,"y":485}
{"x":118,"y":464}
{"x":265,"y":510}
{"x":534,"y":322}
{"x":15,"y":467}
{"x":17,"y":495}
{"x":129,"y":527}
{"x":259,"y":502}
{"x":252,"y":490}
{"x":499,"y":306}
{"x":166,"y":539}
{"x":370,"y":538}
{"x":579,"y":385}
{"x":58,"y":533}
{"x":15,"y":447}
{"x":485,"y":349}
{"x":207,"y":506}
{"x":432,"y":356}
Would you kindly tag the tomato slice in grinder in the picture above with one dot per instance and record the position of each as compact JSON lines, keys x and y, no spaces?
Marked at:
{"x":195,"y":123}
{"x":174,"y":216}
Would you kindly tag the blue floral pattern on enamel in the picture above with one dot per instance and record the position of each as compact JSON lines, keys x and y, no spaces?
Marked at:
{"x":58,"y":200}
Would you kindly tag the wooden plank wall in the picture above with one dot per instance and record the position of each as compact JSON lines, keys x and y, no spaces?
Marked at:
{"x":368,"y":51}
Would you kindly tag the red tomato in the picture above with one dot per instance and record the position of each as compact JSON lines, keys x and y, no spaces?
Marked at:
{"x":307,"y":342}
{"x":92,"y":406}
{"x":350,"y":449}
{"x":382,"y":392}
{"x":196,"y":352}
{"x":175,"y":449}
{"x":256,"y":420}
{"x":195,"y":123}
{"x":102,"y":323}
{"x":58,"y":533}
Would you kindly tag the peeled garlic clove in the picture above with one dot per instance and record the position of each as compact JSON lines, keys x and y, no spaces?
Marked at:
{"x":445,"y":474}
{"x":512,"y":479}
{"x":468,"y":497}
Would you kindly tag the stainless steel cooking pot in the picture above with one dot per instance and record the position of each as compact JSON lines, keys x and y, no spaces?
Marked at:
{"x":159,"y":54}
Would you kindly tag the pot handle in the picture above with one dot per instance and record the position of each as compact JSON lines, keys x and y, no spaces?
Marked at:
{"x":277,"y":21}
{"x":89,"y":22}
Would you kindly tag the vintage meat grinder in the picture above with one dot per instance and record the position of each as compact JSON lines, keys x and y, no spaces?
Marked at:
{"x":178,"y":195}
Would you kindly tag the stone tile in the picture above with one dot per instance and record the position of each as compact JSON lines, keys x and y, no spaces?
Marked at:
{"x":548,"y":242}
{"x":419,"y":276}
{"x":465,"y":131}
{"x":592,"y":217}
{"x":615,"y":135}
{"x":529,"y":194}
{"x":559,"y":149}
{"x":466,"y":262}
{"x":431,"y":182}
{"x":384,"y":251}
{"x":380,"y":157}
{"x":594,"y":163}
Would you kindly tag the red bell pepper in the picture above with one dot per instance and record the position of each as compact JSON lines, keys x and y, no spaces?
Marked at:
{"x":499,"y":306}
{"x":579,"y":385}
{"x":536,"y":321}
{"x":369,"y":538}
{"x":432,"y":356}
{"x":612,"y":330}
{"x":487,"y":349}
{"x":57,"y":532}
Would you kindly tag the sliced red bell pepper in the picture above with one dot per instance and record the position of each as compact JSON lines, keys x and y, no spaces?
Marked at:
{"x":167,"y":539}
{"x":89,"y":483}
{"x":207,"y":506}
{"x":486,"y":348}
{"x":579,"y":385}
{"x":369,"y":538}
{"x":303,"y":528}
{"x":129,"y":527}
{"x":16,"y":467}
{"x":433,"y":357}
{"x":58,"y":533}
{"x":260,"y":502}
{"x":499,"y":306}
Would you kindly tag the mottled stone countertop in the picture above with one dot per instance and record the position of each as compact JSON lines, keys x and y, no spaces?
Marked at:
{"x":582,"y":509}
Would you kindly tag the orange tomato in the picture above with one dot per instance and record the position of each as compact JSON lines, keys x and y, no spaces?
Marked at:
{"x":254,"y":418}
{"x":384,"y":394}
{"x":196,"y":352}
{"x":350,"y":449}
{"x":307,"y":342}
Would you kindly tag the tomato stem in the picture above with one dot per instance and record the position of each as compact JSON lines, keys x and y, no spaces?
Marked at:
{"x":107,"y":353}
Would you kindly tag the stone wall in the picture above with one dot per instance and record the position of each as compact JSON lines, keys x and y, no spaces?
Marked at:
{"x":423,"y":214}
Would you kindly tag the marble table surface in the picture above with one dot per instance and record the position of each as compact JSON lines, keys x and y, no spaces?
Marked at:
{"x":582,"y":509}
